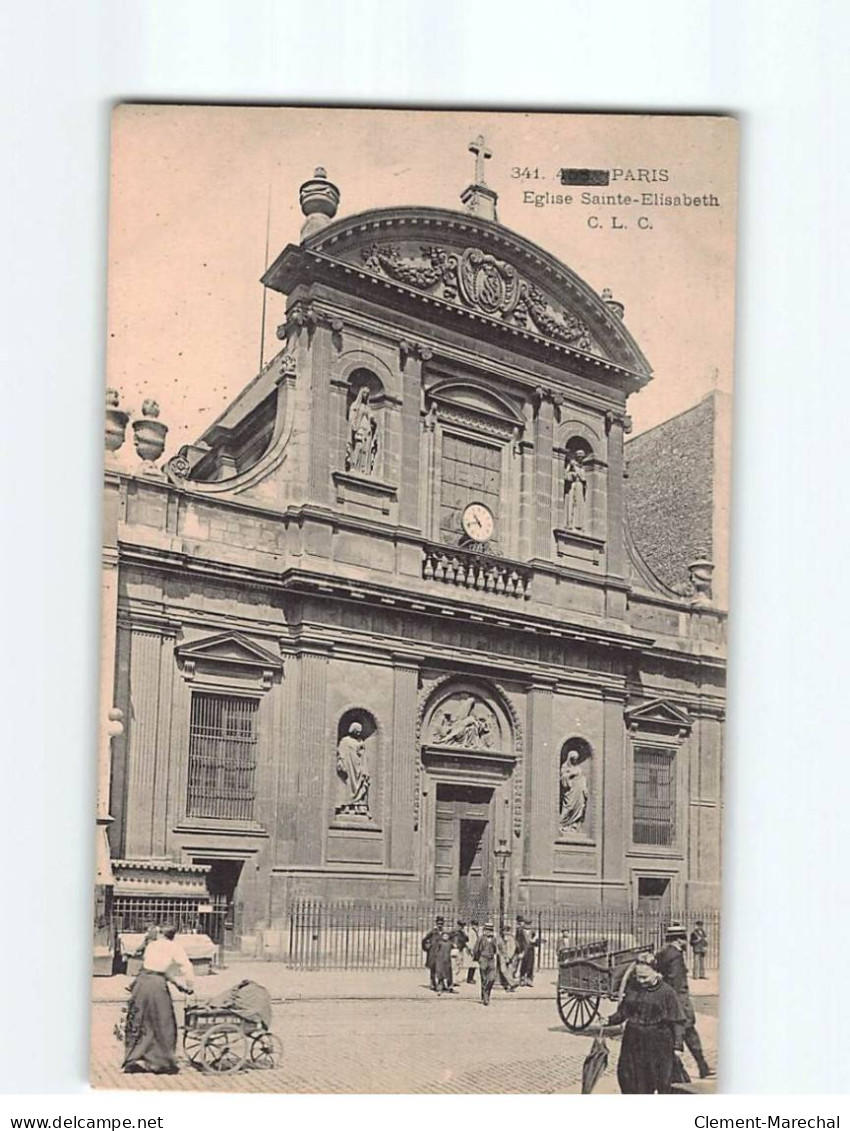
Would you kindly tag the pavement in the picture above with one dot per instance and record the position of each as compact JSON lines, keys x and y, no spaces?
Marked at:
{"x":285,"y":984}
{"x":387,"y":1032}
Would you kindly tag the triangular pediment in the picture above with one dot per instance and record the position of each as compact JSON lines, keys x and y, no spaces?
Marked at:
{"x":479,"y":267}
{"x":230,"y":648}
{"x":659,"y":714}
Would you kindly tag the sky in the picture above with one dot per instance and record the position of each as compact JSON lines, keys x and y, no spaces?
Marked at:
{"x":194,"y":191}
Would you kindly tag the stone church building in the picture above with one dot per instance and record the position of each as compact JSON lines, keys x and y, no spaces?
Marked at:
{"x":385,"y":628}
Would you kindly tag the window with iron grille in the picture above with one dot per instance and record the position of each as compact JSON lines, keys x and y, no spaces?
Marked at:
{"x":470,"y":472}
{"x":654,"y":808}
{"x":222,"y":757}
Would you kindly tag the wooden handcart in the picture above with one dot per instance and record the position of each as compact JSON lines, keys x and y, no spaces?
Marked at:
{"x":586,"y":975}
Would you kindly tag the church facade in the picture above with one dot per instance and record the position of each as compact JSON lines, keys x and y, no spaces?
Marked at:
{"x":384,"y":628}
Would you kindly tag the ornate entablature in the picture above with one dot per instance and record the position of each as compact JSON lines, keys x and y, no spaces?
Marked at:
{"x":482,"y":282}
{"x":474,"y":265}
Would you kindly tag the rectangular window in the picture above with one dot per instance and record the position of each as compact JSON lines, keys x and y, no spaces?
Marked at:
{"x":654,"y":817}
{"x":222,"y":757}
{"x":470,"y":472}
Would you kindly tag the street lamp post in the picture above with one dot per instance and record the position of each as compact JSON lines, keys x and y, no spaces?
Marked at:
{"x":502,"y":854}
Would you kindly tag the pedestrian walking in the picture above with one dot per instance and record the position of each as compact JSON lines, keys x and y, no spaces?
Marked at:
{"x":442,"y":949}
{"x":486,"y":956}
{"x":506,"y":952}
{"x":653,"y":1016}
{"x":699,"y":947}
{"x":428,"y":945}
{"x":472,"y":930}
{"x":150,"y":1041}
{"x":522,"y":943}
{"x":670,"y":963}
{"x":529,"y":956}
{"x":460,"y":951}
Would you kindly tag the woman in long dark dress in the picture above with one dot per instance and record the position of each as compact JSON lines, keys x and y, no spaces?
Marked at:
{"x":150,"y":1040}
{"x":653,"y":1033}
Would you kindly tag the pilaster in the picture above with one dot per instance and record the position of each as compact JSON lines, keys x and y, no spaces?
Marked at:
{"x":148,"y":741}
{"x":541,"y":805}
{"x":617,"y":426}
{"x":403,"y":762}
{"x":412,"y":358}
{"x":321,"y":426}
{"x":543,"y":433}
{"x":313,"y":757}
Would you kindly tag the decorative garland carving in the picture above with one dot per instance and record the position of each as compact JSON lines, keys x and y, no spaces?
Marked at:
{"x":427,"y":694}
{"x":469,"y":418}
{"x":482,"y":282}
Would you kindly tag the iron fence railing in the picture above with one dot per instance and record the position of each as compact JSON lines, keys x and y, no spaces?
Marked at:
{"x":359,"y":936}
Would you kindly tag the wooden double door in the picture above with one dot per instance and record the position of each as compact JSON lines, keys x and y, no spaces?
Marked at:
{"x":463,"y":846}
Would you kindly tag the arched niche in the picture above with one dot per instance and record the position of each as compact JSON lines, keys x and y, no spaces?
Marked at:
{"x":357,"y":766}
{"x":365,"y":427}
{"x":575,"y":777}
{"x":579,"y":489}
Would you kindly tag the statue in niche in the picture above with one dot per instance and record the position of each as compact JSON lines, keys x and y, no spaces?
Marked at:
{"x":361,"y":449}
{"x":352,"y":767}
{"x":470,"y":726}
{"x":574,"y":795}
{"x":575,"y":489}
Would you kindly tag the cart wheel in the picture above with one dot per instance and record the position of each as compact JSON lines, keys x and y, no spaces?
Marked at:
{"x":224,"y":1049}
{"x":577,"y":1010}
{"x":266,"y":1050}
{"x":192,"y":1044}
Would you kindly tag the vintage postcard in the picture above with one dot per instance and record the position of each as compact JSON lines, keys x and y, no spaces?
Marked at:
{"x":415,"y":601}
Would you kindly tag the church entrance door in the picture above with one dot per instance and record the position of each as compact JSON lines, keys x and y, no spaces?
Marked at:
{"x":463,"y":846}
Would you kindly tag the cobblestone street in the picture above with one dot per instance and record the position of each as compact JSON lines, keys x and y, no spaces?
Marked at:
{"x":422,"y":1045}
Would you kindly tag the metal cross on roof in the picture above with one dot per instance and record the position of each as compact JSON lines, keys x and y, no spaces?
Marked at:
{"x":482,"y":153}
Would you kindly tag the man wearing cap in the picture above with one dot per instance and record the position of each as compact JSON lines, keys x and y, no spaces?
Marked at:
{"x":429,"y":945}
{"x":670,"y":963}
{"x":522,"y":944}
{"x":699,"y":946}
{"x":486,"y":954}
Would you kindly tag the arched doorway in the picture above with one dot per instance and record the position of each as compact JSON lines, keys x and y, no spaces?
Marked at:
{"x":468,"y":758}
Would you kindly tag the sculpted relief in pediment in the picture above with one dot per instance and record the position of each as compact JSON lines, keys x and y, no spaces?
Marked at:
{"x":482,"y":282}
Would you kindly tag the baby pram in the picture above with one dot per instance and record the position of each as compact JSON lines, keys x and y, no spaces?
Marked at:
{"x":232,"y":1031}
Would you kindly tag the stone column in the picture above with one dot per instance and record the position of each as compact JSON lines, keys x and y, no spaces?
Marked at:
{"x":541,"y":783}
{"x":543,"y":432}
{"x":399,"y":820}
{"x":315,"y":753}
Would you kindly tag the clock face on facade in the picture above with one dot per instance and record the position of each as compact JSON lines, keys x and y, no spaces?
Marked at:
{"x":478,"y":522}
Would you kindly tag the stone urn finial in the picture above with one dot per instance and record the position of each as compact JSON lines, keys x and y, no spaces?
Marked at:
{"x":149,"y":434}
{"x":319,"y":202}
{"x":701,"y":571}
{"x":616,"y":308}
{"x":116,"y":422}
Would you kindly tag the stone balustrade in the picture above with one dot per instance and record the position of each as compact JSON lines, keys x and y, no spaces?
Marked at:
{"x":480,"y":572}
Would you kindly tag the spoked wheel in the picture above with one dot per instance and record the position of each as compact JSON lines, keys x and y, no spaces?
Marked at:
{"x":224,"y":1049}
{"x":192,"y":1044}
{"x":577,"y":1010}
{"x":266,"y":1050}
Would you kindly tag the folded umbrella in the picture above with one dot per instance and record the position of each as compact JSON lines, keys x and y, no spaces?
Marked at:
{"x":594,"y":1065}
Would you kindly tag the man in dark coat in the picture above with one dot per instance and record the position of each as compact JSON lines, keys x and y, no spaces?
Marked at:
{"x":670,"y":963}
{"x":428,"y":945}
{"x":441,"y":948}
{"x":653,"y":1033}
{"x":699,"y":946}
{"x":523,"y":942}
{"x":486,"y":954}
